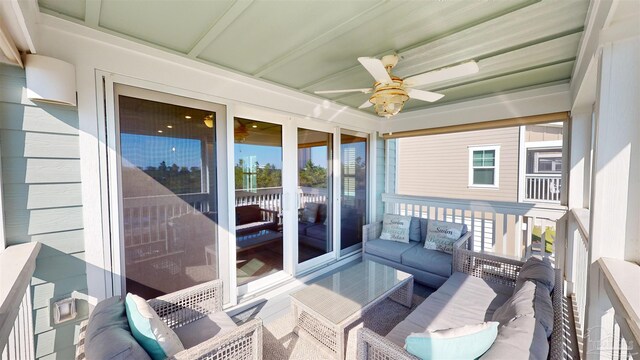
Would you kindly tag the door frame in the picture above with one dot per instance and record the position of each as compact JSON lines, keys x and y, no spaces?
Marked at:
{"x":109,"y":86}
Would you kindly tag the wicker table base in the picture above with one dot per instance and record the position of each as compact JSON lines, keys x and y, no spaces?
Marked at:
{"x":329,"y":334}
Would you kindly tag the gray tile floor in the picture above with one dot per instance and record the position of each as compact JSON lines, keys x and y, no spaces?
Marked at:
{"x":278,"y":306}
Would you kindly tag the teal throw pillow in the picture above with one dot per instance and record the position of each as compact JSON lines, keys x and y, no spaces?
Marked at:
{"x":467,"y":342}
{"x":155,"y":337}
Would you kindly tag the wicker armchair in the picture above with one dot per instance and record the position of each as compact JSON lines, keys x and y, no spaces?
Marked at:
{"x":372,"y":346}
{"x":191,"y":304}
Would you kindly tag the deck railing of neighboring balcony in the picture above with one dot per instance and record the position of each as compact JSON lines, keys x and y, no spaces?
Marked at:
{"x":17,"y":264}
{"x":505,"y":228}
{"x":543,"y":188}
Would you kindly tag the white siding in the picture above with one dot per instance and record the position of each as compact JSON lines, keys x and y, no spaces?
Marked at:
{"x":438,"y":165}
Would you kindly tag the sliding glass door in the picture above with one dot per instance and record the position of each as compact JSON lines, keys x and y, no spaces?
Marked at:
{"x":353,"y":197}
{"x":168,"y":191}
{"x":258,"y":194}
{"x":314,"y":195}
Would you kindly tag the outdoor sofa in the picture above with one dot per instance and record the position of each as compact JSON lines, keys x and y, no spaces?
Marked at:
{"x":194,"y":314}
{"x":429,"y":267}
{"x":531,"y":321}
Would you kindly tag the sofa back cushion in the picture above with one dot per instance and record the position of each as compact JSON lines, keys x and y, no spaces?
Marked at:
{"x":414,"y":229}
{"x":108,"y":335}
{"x":247,"y":214}
{"x":522,"y":338}
{"x":322,"y":214}
{"x":538,"y":269}
{"x":310,"y":212}
{"x":441,"y":235}
{"x":466,"y":342}
{"x":395,"y":228}
{"x":149,"y":330}
{"x":533,"y":300}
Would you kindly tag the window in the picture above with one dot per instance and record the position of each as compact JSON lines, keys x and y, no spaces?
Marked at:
{"x":483,"y":166}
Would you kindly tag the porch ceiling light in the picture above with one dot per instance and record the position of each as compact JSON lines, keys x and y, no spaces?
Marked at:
{"x":388,"y":99}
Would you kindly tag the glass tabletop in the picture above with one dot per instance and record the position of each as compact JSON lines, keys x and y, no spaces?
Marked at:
{"x":344,"y":293}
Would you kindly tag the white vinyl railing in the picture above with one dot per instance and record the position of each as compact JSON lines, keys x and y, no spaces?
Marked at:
{"x":501,"y":227}
{"x":577,"y":264}
{"x":543,"y":188}
{"x":17,"y":264}
{"x":271,"y":198}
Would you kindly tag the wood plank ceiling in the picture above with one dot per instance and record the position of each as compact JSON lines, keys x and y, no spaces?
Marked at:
{"x":314,"y":45}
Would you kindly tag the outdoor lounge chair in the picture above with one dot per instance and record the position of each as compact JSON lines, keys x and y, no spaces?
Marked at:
{"x":196,"y":316}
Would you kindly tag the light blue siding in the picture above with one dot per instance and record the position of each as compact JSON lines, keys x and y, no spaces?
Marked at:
{"x":42,"y":202}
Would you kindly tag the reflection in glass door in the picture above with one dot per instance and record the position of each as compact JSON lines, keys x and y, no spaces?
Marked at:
{"x":168,"y":195}
{"x":353,"y":180}
{"x":314,"y":194}
{"x":258,"y":212}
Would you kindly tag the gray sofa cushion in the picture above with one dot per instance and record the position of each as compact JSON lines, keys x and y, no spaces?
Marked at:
{"x":424,"y":223}
{"x":461,"y":300}
{"x":432,"y":261}
{"x":317,"y":231}
{"x":543,"y":309}
{"x":215,"y":324}
{"x":522,"y":338}
{"x":414,"y":229}
{"x":539,"y":270}
{"x":391,"y":250}
{"x":518,"y":305}
{"x":108,"y":335}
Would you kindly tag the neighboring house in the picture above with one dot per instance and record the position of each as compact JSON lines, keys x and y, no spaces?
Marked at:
{"x":484,"y":164}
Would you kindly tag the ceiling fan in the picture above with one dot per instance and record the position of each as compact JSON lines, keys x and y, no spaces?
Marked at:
{"x":391,"y":92}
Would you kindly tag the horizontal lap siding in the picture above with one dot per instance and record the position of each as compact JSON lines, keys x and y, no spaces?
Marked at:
{"x":438,"y":165}
{"x":42,"y":201}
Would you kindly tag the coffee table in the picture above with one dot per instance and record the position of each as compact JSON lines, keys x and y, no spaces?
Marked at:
{"x":325,"y":308}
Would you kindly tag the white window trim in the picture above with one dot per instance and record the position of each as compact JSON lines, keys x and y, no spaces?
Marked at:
{"x":496,"y":167}
{"x":3,"y":242}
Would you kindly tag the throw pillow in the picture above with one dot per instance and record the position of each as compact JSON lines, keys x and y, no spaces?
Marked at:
{"x":395,"y":228}
{"x":149,"y":330}
{"x":538,"y":269}
{"x":310,"y":212}
{"x":442,"y":235}
{"x":467,"y":342}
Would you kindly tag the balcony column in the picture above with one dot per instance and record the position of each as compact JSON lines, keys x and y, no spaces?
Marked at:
{"x":615,"y":192}
{"x":579,"y":160}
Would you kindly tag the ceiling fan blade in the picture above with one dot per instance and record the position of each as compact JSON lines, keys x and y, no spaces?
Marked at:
{"x":375,"y":67}
{"x":365,"y":105}
{"x":424,"y":95}
{"x":447,"y":73}
{"x":364,"y":91}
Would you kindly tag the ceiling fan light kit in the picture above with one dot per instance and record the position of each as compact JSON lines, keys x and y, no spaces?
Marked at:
{"x":391,"y":92}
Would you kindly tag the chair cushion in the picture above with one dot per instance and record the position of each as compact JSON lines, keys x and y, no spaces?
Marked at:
{"x":149,"y":330}
{"x":435,"y":262}
{"x":539,"y":270}
{"x":390,"y":250}
{"x":108,"y":335}
{"x":522,"y":338}
{"x":302,"y":227}
{"x":247,"y":214}
{"x":466,"y":342}
{"x":317,"y":231}
{"x":195,"y":333}
{"x":414,"y":229}
{"x":395,"y":228}
{"x":532,"y":299}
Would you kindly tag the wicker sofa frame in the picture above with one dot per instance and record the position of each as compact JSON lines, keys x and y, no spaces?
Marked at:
{"x":372,"y":346}
{"x":191,"y":304}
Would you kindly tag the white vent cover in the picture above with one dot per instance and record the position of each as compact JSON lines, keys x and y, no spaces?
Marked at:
{"x":50,"y":80}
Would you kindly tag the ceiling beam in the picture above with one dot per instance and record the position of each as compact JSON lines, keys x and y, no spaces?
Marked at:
{"x":92,"y":13}
{"x":220,"y":26}
{"x":335,"y":32}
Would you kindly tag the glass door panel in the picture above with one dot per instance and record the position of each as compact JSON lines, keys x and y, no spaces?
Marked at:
{"x":168,"y":196}
{"x":258,"y":212}
{"x":353,"y":180}
{"x":314,"y":194}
